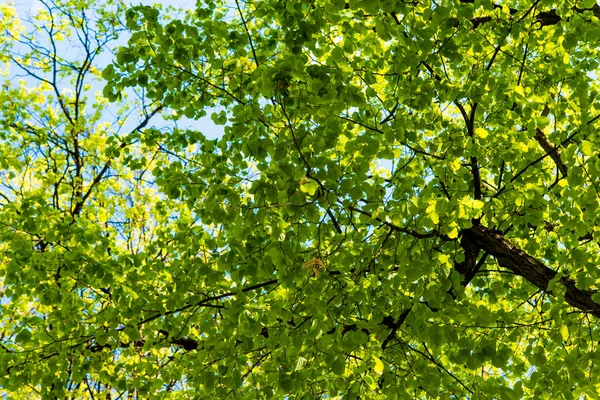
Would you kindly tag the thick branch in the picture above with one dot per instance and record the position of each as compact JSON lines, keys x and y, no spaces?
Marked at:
{"x":544,"y":18}
{"x":186,"y":343}
{"x":548,"y":153}
{"x":469,"y":122}
{"x":469,"y":267}
{"x":547,"y":146}
{"x":550,"y":150}
{"x":395,"y":326}
{"x":516,"y":260}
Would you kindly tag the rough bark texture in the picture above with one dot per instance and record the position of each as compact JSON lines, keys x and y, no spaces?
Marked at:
{"x":468,"y":268}
{"x":516,"y":260}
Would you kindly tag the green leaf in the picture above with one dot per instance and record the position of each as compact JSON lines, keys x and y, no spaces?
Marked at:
{"x":309,"y":187}
{"x":576,"y":176}
{"x":108,"y":72}
{"x":301,"y":363}
{"x":284,"y":199}
{"x":482,"y":133}
{"x":453,"y":234}
{"x":587,"y":148}
{"x":338,"y":366}
{"x":378,"y":368}
{"x":23,"y":337}
{"x":570,"y":41}
{"x":286,"y":384}
{"x":542,"y":122}
{"x":564,"y":332}
{"x":554,"y":281}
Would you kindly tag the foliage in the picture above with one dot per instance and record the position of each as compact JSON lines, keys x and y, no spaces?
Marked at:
{"x":404,"y":202}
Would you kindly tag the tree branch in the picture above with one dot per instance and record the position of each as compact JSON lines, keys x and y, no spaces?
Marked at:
{"x":547,"y":146}
{"x":247,"y":32}
{"x":397,"y":228}
{"x":549,"y":153}
{"x":415,"y":150}
{"x":397,"y":324}
{"x":98,"y":178}
{"x":207,"y":302}
{"x":516,"y":260}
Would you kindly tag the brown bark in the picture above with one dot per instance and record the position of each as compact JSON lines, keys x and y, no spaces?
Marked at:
{"x":544,"y":18}
{"x":468,"y":268}
{"x":549,"y":147}
{"x":516,"y":260}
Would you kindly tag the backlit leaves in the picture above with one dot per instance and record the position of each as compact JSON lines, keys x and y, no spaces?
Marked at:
{"x":402,"y":201}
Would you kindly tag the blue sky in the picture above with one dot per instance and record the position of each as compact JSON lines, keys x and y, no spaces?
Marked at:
{"x":26,"y":8}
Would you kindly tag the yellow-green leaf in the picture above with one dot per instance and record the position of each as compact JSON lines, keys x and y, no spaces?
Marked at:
{"x":309,"y":187}
{"x":482,"y":133}
{"x":453,"y":234}
{"x":378,"y":365}
{"x":564,"y":332}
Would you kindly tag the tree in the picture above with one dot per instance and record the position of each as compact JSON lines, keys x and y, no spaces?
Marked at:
{"x":404,"y":204}
{"x":67,"y":199}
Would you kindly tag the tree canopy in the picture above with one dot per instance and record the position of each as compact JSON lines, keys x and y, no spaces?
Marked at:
{"x":404,"y":202}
